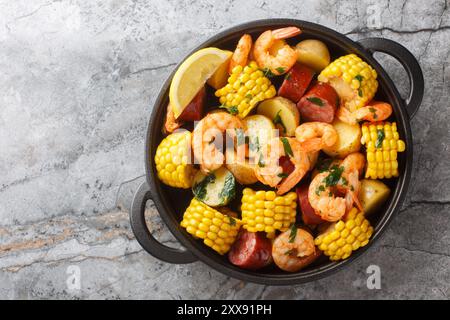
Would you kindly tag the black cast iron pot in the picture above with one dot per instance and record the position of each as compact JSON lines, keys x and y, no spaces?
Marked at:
{"x":171,"y":202}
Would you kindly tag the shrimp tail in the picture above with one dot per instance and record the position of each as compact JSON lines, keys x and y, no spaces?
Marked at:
{"x":285,"y":33}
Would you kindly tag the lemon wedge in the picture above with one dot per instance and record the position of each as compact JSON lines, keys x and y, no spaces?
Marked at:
{"x":192,"y":75}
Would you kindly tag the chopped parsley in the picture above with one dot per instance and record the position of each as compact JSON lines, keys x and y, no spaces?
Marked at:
{"x":360,"y":78}
{"x":287,"y":147}
{"x":254,"y":144}
{"x":293,"y":233}
{"x":232,"y":221}
{"x":240,"y":136}
{"x":320,"y":189}
{"x":249,"y":96}
{"x":232,"y":110}
{"x":288,"y":76}
{"x":344,"y":181}
{"x":200,"y":188}
{"x":380,"y":138}
{"x":228,"y":191}
{"x":374,"y":112}
{"x":283,"y":175}
{"x":280,"y":70}
{"x":261,"y":162}
{"x":317,"y":101}
{"x":335,"y":175}
{"x":267,"y":73}
{"x":289,"y":252}
{"x":277,"y":120}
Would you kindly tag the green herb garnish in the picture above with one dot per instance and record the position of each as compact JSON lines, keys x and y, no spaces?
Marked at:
{"x":289,"y":252}
{"x":287,"y":147}
{"x":228,"y":191}
{"x":232,"y":110}
{"x":330,"y":194}
{"x":380,"y":138}
{"x":320,"y":189}
{"x":283,"y":175}
{"x":200,"y":188}
{"x":280,"y":70}
{"x":344,"y":181}
{"x":335,"y":175}
{"x":240,"y":136}
{"x":374,"y":111}
{"x":293,"y":233}
{"x":360,"y":78}
{"x":261,"y":162}
{"x":249,"y":96}
{"x":316,"y":101}
{"x":288,"y":76}
{"x":277,"y":120}
{"x":267,"y":73}
{"x":254,"y":144}
{"x":232,"y":221}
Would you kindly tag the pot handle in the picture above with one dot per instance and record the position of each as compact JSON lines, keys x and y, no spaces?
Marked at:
{"x":408,"y":61}
{"x":146,"y":239}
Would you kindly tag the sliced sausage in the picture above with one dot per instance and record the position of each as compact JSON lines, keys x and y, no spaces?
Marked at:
{"x":194,"y":110}
{"x":309,"y":215}
{"x":319,"y":103}
{"x":286,"y":164}
{"x":251,"y":250}
{"x":296,"y":82}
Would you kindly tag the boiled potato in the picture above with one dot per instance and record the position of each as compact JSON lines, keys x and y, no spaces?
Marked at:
{"x":313,"y":53}
{"x":219,"y":78}
{"x":242,"y":169}
{"x":282,"y":112}
{"x":349,"y":139}
{"x":373,"y":195}
{"x":259,"y":130}
{"x":214,"y":189}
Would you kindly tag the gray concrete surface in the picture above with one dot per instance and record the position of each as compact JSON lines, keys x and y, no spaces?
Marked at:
{"x":77,"y":82}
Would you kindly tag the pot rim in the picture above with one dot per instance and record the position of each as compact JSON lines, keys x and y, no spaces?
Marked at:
{"x":398,"y":195}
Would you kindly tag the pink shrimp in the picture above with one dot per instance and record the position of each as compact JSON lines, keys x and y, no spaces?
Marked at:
{"x":374,"y":111}
{"x":285,"y":57}
{"x":241,"y":53}
{"x":270,"y":172}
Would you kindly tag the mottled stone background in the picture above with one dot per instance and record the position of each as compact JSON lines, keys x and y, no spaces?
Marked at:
{"x":77,"y":82}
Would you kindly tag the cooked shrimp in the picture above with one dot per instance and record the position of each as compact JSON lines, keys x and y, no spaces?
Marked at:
{"x":374,"y":111}
{"x":286,"y":56}
{"x":321,"y":197}
{"x":269,"y":170}
{"x":291,"y":253}
{"x":171,"y":124}
{"x":212,"y":127}
{"x":241,"y":53}
{"x":353,"y":165}
{"x":314,"y":136}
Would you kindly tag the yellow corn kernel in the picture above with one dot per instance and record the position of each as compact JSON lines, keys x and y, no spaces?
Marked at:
{"x":357,"y":75}
{"x":381,"y":151}
{"x":345,"y":236}
{"x":217,"y":230}
{"x":172,"y":160}
{"x":265,"y":211}
{"x":246,"y":87}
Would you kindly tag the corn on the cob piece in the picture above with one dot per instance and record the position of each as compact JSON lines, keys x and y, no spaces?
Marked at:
{"x":382,"y":143}
{"x":345,"y":236}
{"x":265,"y":211}
{"x":354,"y":80}
{"x":217,"y":230}
{"x":172,"y":160}
{"x":246,"y":87}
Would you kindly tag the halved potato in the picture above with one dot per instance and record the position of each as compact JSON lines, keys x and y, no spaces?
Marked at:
{"x":283,"y":113}
{"x":373,"y":195}
{"x":349,"y":140}
{"x":259,"y":130}
{"x":313,"y":53}
{"x":216,"y":188}
{"x":242,"y":169}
